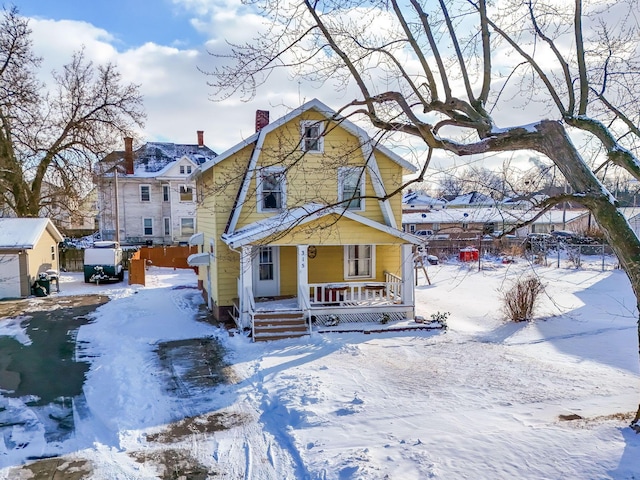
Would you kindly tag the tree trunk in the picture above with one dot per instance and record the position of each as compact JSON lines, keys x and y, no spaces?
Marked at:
{"x":557,"y":146}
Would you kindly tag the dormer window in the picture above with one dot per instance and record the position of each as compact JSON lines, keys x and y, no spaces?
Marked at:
{"x":185,"y":169}
{"x":312,"y":139}
{"x":271,"y":189}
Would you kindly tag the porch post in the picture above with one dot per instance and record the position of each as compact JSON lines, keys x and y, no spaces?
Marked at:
{"x":303,"y":276}
{"x":407,"y":278}
{"x":246,"y":284}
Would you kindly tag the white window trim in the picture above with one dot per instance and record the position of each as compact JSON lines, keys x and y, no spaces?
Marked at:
{"x":144,"y":234}
{"x":140,"y":192}
{"x":412,"y":228}
{"x":341,"y":174}
{"x":182,"y":169}
{"x":166,"y":190}
{"x":194,"y":226}
{"x":267,"y":171}
{"x":166,"y":222}
{"x":320,"y":125}
{"x":185,"y":186}
{"x":346,"y":264}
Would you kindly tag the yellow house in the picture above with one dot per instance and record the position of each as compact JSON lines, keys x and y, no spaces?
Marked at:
{"x":297,"y":227}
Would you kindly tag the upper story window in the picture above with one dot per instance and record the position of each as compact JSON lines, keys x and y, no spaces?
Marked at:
{"x":186,"y":193}
{"x":185,"y":169}
{"x":312,"y":138}
{"x":145,"y":193}
{"x":271,"y":189}
{"x":351,"y":187}
{"x":187,"y":226}
{"x":165,"y":193}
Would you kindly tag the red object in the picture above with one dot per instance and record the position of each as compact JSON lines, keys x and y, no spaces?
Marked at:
{"x":469,"y":254}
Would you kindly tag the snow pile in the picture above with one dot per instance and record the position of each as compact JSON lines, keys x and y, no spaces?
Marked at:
{"x":482,"y":399}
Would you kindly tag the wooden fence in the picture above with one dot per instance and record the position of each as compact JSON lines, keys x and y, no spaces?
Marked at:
{"x":72,"y":259}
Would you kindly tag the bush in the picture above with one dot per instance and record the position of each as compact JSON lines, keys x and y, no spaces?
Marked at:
{"x":520,"y":301}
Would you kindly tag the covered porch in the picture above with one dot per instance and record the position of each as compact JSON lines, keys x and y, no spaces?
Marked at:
{"x":278,"y":294}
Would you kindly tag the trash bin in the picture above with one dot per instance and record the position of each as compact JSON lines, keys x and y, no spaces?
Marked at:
{"x":42,"y":286}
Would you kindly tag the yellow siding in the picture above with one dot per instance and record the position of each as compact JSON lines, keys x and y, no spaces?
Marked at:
{"x":40,"y":257}
{"x":328,"y":265}
{"x":310,"y":177}
{"x":333,"y":230}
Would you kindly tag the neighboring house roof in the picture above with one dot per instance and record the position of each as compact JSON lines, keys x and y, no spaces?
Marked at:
{"x":153,"y":158}
{"x":299,"y":216}
{"x":330,"y":114}
{"x":25,"y":232}
{"x":420,"y":199}
{"x":472,"y":198}
{"x":491,"y":215}
{"x":468,"y":215}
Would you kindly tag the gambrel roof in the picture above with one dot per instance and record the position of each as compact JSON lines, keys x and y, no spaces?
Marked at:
{"x":329,"y":114}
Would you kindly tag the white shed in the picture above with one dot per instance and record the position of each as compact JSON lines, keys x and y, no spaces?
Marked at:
{"x":28,"y":246}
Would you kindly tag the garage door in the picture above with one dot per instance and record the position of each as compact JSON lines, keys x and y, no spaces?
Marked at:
{"x":9,"y":276}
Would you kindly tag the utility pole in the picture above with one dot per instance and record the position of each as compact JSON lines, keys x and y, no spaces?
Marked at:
{"x":115,"y":174}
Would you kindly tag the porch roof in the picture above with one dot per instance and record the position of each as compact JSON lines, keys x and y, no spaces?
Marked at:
{"x":294,"y":217}
{"x":197,"y":259}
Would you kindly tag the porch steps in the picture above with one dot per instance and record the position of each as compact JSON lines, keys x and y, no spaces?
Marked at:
{"x":278,"y":325}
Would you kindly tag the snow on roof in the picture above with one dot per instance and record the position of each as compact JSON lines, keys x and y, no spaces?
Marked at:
{"x":154,"y":158}
{"x":25,"y":232}
{"x":289,"y":219}
{"x":472,"y":198}
{"x":319,"y":107}
{"x":414,"y":198}
{"x":469,"y":215}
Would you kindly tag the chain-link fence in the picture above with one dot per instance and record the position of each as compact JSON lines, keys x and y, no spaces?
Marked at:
{"x":539,"y":250}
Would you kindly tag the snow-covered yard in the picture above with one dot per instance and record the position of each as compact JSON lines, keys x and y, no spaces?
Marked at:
{"x":484,"y":399}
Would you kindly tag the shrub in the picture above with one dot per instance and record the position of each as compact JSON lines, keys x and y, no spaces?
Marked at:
{"x":520,"y":301}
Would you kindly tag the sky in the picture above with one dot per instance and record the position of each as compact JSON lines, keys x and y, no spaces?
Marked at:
{"x":161,"y":45}
{"x":485,"y":399}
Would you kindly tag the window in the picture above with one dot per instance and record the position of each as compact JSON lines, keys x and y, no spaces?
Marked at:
{"x":188,"y":169}
{"x":271,"y":189}
{"x":435,"y":227}
{"x":147,"y":226}
{"x":312,"y":139}
{"x":182,"y":169}
{"x":186,"y":193}
{"x":351,"y":187}
{"x":165,"y":193}
{"x":185,"y":169}
{"x":167,"y":226}
{"x":145,"y":193}
{"x":465,"y":225}
{"x":53,"y":252}
{"x":187,"y":226}
{"x":412,"y":228}
{"x":359,"y":261}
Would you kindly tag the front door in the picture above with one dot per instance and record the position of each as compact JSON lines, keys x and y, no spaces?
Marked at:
{"x":266,"y":271}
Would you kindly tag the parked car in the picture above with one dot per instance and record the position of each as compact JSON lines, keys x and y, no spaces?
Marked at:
{"x":423,"y":233}
{"x":564,"y":236}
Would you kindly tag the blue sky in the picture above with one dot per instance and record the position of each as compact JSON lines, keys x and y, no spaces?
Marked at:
{"x":131,"y":22}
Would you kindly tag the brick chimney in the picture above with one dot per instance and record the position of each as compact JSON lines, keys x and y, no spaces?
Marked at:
{"x":262,"y":119}
{"x":200,"y":138}
{"x":128,"y":155}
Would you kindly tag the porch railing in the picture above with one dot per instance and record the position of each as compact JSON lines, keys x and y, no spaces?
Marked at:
{"x":357,"y":293}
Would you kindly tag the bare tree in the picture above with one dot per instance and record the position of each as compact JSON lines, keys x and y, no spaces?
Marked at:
{"x":439,"y":70}
{"x":50,"y":137}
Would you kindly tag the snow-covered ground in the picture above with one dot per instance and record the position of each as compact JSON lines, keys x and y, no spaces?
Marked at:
{"x":485,"y":399}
